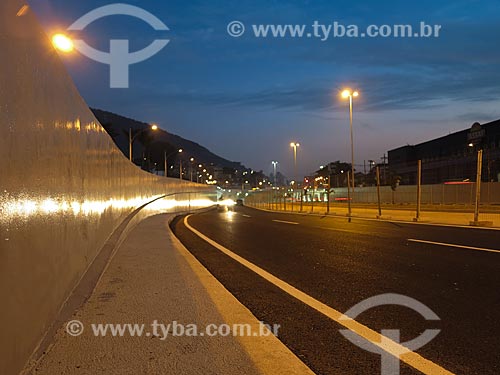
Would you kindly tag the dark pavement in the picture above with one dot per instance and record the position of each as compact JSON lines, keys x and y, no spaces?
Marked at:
{"x":341,"y":264}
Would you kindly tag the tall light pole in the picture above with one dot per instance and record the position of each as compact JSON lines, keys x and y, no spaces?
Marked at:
{"x":294,"y":145}
{"x":191,"y":169}
{"x":275,"y":165}
{"x":349,"y":94}
{"x":166,"y":158}
{"x":131,"y":138}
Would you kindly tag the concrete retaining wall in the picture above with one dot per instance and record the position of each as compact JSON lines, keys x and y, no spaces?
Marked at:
{"x":64,"y":186}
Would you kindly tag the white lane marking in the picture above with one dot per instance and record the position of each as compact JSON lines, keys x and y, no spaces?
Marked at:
{"x":453,"y":245}
{"x":286,"y":222}
{"x":343,"y":230}
{"x":395,"y":349}
{"x":245,"y":215}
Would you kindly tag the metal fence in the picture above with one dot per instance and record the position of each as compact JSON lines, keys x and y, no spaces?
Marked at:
{"x":461,"y":202}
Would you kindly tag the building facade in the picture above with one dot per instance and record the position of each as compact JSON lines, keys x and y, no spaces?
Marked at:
{"x":452,"y":158}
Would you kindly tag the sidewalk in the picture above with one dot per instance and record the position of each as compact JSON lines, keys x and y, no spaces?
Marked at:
{"x":153,"y":277}
{"x":434,"y":217}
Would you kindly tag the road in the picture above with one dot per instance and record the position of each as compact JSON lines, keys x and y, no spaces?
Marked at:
{"x":341,"y":264}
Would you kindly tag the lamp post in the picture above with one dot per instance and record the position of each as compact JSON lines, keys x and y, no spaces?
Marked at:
{"x":191,"y":169}
{"x":348,"y":94}
{"x":166,"y":158}
{"x":294,"y":145}
{"x":198,"y":173}
{"x":132,"y":139}
{"x":275,"y":165}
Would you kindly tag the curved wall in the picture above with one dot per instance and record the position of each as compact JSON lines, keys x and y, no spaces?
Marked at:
{"x":64,"y":186}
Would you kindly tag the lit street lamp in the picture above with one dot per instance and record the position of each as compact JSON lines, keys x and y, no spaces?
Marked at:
{"x":63,"y":43}
{"x":349,"y":94}
{"x":131,"y":139}
{"x":275,"y":164}
{"x":294,"y":145}
{"x":191,"y":169}
{"x":166,"y":158}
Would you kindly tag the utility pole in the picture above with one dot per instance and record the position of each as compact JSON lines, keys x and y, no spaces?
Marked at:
{"x":352,"y":144}
{"x":328,"y":193}
{"x":364,"y":171}
{"x":275,"y":164}
{"x":378,"y":194}
{"x":349,"y":209}
{"x":419,"y":189}
{"x":384,"y":163}
{"x":478,"y":185}
{"x":295,"y":145}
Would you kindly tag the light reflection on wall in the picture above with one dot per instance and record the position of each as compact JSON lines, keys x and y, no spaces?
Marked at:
{"x":76,"y":125}
{"x":163,"y":205}
{"x":65,"y":187}
{"x":25,"y":208}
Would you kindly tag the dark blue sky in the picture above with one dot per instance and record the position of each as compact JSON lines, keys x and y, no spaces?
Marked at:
{"x":247,"y":98}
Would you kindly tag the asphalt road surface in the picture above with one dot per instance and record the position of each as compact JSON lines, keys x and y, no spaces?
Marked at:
{"x":341,"y":264}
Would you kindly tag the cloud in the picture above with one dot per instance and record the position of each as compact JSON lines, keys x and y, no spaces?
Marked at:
{"x":388,"y":91}
{"x":414,"y":88}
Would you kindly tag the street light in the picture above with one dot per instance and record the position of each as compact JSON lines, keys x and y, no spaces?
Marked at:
{"x":191,"y":169}
{"x":166,"y":158}
{"x":348,"y":94}
{"x":63,"y":43}
{"x":131,"y":139}
{"x":275,"y":164}
{"x":294,"y":145}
